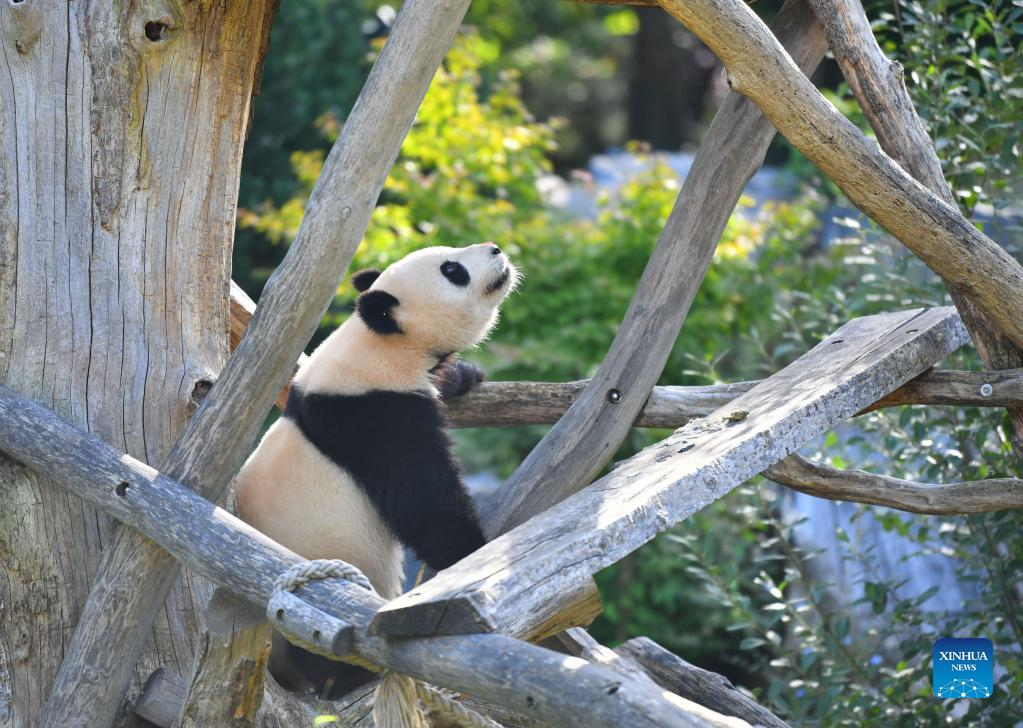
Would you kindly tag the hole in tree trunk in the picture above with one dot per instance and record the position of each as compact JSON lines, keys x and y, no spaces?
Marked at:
{"x":122,"y":488}
{"x":155,"y":30}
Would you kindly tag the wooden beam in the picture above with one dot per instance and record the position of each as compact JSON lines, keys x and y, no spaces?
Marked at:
{"x":503,"y":404}
{"x":759,"y":68}
{"x":526,"y":679}
{"x":135,"y":576}
{"x":242,"y":310}
{"x":575,"y":450}
{"x":823,"y":481}
{"x":516,"y":574}
{"x":879,"y":86}
{"x":226,"y":686}
{"x":707,"y":688}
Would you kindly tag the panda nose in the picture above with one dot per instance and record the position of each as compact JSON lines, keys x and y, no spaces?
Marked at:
{"x":494,"y":250}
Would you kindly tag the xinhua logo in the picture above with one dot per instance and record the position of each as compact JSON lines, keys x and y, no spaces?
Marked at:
{"x":963,"y":668}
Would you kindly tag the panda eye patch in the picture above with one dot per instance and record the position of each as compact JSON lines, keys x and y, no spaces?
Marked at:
{"x":455,"y":272}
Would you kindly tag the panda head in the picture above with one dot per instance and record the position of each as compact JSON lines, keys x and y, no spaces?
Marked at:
{"x":439,"y":299}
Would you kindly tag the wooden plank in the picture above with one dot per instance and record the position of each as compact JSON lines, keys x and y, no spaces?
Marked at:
{"x":524,"y":678}
{"x":518,"y":573}
{"x":135,"y":576}
{"x":578,"y":447}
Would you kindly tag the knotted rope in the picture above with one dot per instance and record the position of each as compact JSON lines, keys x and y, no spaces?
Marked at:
{"x":395,"y":703}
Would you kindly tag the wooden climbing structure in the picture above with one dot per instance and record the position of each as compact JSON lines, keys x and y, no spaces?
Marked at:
{"x":472,"y":628}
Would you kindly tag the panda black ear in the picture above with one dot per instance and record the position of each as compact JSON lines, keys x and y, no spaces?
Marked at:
{"x":363,"y":279}
{"x":376,"y":308}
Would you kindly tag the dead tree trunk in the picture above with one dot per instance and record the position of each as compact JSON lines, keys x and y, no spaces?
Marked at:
{"x":121,"y":129}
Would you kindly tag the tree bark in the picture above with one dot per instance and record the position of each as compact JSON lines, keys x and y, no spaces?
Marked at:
{"x":121,"y":130}
{"x":221,"y":434}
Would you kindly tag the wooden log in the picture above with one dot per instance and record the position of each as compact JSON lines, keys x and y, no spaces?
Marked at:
{"x":295,"y":618}
{"x":509,"y":580}
{"x":120,"y":156}
{"x":823,"y":481}
{"x":162,"y":698}
{"x":524,"y":678}
{"x":759,"y":68}
{"x":707,"y":688}
{"x":580,"y":643}
{"x":503,"y":404}
{"x":242,"y":309}
{"x":879,"y":86}
{"x":226,"y":686}
{"x":135,"y":576}
{"x":578,"y":447}
{"x":959,"y":389}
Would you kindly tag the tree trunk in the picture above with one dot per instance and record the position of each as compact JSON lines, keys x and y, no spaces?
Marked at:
{"x":121,"y":129}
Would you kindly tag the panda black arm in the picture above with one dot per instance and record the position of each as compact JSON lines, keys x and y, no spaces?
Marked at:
{"x":438,"y":522}
{"x":396,"y":447}
{"x":455,"y":377}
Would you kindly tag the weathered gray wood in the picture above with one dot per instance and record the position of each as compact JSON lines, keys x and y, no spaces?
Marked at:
{"x":501,"y":404}
{"x":511,"y":579}
{"x":959,"y":389}
{"x":580,"y":643}
{"x":576,"y":449}
{"x":226,"y":686}
{"x":135,"y":576}
{"x":879,"y":86}
{"x":163,"y":696}
{"x":119,"y":166}
{"x":823,"y":481}
{"x":707,"y":688}
{"x":759,"y":68}
{"x":294,"y":618}
{"x":546,"y":686}
{"x":242,"y":309}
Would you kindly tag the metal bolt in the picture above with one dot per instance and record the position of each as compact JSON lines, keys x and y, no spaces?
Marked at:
{"x":986,"y":390}
{"x":614,"y":396}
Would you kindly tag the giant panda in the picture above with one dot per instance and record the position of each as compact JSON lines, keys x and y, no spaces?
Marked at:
{"x":360,"y":464}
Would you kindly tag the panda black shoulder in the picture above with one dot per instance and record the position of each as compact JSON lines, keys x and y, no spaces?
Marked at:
{"x":396,"y":448}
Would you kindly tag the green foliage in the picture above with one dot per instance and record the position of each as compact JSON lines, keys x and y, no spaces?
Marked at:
{"x":967,"y":81}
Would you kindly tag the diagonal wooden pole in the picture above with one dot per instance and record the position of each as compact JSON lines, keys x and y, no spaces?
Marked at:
{"x":588,"y":435}
{"x":135,"y":574}
{"x":879,"y":87}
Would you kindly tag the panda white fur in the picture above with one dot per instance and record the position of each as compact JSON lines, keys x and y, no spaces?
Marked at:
{"x":360,"y":464}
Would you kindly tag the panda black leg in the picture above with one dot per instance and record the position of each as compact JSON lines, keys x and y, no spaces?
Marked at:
{"x":299,"y":671}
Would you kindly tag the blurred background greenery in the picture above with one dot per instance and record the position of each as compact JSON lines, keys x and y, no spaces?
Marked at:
{"x":532,"y":93}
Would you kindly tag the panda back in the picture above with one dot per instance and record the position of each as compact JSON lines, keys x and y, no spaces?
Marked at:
{"x":302,"y":499}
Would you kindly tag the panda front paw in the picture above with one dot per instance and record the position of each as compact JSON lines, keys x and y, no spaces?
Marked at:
{"x":457,"y":377}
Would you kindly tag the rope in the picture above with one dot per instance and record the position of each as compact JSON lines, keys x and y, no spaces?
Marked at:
{"x":395,"y":700}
